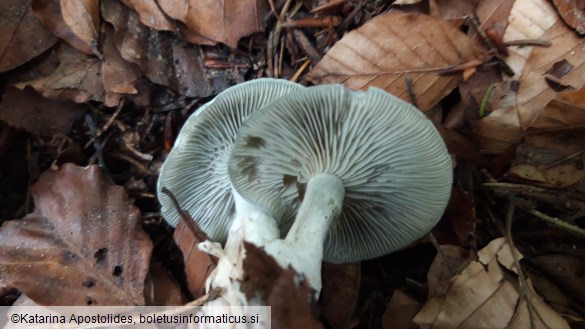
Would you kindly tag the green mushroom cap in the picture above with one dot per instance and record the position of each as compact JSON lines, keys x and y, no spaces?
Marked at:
{"x":393,"y":164}
{"x":196,"y":169}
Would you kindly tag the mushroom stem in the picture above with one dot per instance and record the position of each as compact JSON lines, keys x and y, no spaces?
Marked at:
{"x":250,"y":224}
{"x":322,"y":202}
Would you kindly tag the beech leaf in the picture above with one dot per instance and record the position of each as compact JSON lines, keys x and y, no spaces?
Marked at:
{"x":391,"y":48}
{"x":83,"y":244}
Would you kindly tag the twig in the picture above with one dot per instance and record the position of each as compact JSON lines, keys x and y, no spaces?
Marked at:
{"x":108,"y":124}
{"x":135,"y":162}
{"x":521,"y":277}
{"x":501,"y":62}
{"x":555,"y":221}
{"x":529,"y":42}
{"x":97,"y":144}
{"x":306,"y":46}
{"x":300,"y":71}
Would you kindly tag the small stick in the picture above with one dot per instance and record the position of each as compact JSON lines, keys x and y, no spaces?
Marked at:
{"x":306,"y":46}
{"x":300,"y":71}
{"x":501,"y":62}
{"x":97,"y":144}
{"x":529,"y":42}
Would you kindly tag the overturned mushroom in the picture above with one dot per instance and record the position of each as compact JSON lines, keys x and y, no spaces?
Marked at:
{"x":196,"y":173}
{"x":370,"y":172}
{"x":196,"y":168}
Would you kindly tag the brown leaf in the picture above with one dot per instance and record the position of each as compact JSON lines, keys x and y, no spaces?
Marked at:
{"x":261,"y":272}
{"x":198,"y":264}
{"x":390,"y":48}
{"x":551,"y":161}
{"x":341,"y":283}
{"x":151,"y":14}
{"x":28,"y":110}
{"x":289,"y":303}
{"x":49,"y":13}
{"x":573,"y":13}
{"x":483,"y":289}
{"x":83,"y":244}
{"x":219,"y":21}
{"x":567,"y":270}
{"x":162,"y":58}
{"x":161,"y":288}
{"x":23,"y":37}
{"x":78,"y":78}
{"x":400,"y":312}
{"x":83,"y":19}
{"x":566,"y":111}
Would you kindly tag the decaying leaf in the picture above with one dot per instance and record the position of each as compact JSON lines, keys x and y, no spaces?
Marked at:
{"x":400,"y":312}
{"x":164,"y":59}
{"x":28,"y":110}
{"x":341,"y":283}
{"x":83,"y":18}
{"x":198,"y":264}
{"x":566,"y":111}
{"x":219,"y":21}
{"x":540,"y":72}
{"x":83,"y":244}
{"x":485,"y":289}
{"x":261,"y":273}
{"x":161,"y":288}
{"x":151,"y":15}
{"x":573,"y":13}
{"x":78,"y":78}
{"x":391,"y":48}
{"x":551,"y":161}
{"x":50,"y":14}
{"x":23,"y":37}
{"x":289,"y":304}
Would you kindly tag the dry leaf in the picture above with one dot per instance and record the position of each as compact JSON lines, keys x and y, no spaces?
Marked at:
{"x":573,"y":13}
{"x":49,"y":13}
{"x":162,"y":58}
{"x":537,"y":70}
{"x":83,"y":244}
{"x":289,"y":304}
{"x":566,"y":111}
{"x":341,"y":283}
{"x":550,"y":161}
{"x":161,"y":288}
{"x":219,"y":21}
{"x":484,"y":289}
{"x":391,"y":48}
{"x":261,"y":272}
{"x":23,"y":37}
{"x":400,"y":312}
{"x":198,"y":264}
{"x":151,"y":14}
{"x":78,"y":78}
{"x":83,"y":19}
{"x":28,"y":110}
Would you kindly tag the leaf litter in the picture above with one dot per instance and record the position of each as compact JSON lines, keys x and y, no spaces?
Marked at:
{"x":136,"y":69}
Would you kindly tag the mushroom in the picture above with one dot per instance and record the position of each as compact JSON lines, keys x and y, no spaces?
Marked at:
{"x":196,"y":173}
{"x":370,"y":172}
{"x":196,"y":169}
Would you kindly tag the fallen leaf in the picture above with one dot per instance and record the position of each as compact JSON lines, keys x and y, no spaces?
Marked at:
{"x":164,"y":59}
{"x":454,"y":9}
{"x":566,"y":270}
{"x":261,"y":273}
{"x":23,"y":37}
{"x":483,"y":289}
{"x":83,"y":244}
{"x":573,"y":13}
{"x":28,"y":110}
{"x":550,"y":161}
{"x":83,"y":19}
{"x":219,"y":21}
{"x":49,"y":13}
{"x":533,"y":19}
{"x":198,"y":264}
{"x":341,"y":283}
{"x":400,"y":312}
{"x":151,"y":14}
{"x":161,"y":288}
{"x":78,"y":78}
{"x":566,"y":111}
{"x":289,"y":304}
{"x":391,"y":48}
